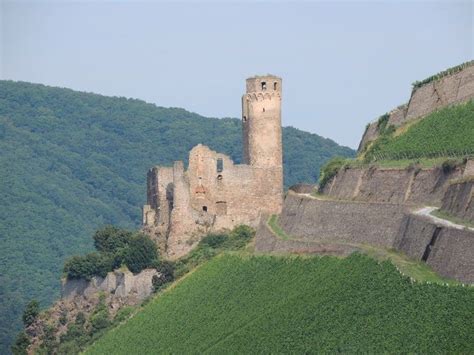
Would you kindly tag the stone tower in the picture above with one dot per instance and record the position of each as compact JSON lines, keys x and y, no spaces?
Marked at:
{"x":214,"y":193}
{"x":261,"y":123}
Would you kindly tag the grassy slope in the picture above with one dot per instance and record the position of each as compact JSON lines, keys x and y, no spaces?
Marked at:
{"x":299,"y":305}
{"x":449,"y":131}
{"x":73,"y":161}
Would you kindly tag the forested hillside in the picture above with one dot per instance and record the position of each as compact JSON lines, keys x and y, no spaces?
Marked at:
{"x":311,"y":305}
{"x":73,"y":161}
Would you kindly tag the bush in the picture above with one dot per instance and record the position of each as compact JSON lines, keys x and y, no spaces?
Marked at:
{"x":140,"y":253}
{"x":30,"y":313}
{"x":88,"y":266}
{"x":110,"y":239}
{"x":21,"y":344}
{"x":449,"y":165}
{"x":214,"y":240}
{"x":330,"y":169}
{"x":166,"y":270}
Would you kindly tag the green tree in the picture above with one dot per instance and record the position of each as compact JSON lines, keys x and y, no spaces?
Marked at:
{"x":140,"y":253}
{"x":110,"y":239}
{"x":21,"y":344}
{"x":30,"y":313}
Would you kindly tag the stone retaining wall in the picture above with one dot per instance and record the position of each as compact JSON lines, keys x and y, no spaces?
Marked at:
{"x":449,"y":90}
{"x":452,"y":254}
{"x":405,"y":186}
{"x":459,"y":201}
{"x":311,"y":219}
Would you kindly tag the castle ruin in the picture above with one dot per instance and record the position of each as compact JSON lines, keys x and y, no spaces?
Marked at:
{"x":215,"y":194}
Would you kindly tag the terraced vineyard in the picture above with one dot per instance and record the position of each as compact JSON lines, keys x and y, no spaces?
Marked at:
{"x":448,"y":132}
{"x":264,"y":304}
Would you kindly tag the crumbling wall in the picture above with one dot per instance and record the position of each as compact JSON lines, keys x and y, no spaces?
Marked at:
{"x":212,"y":194}
{"x":312,"y":219}
{"x":452,"y":252}
{"x":409,"y":186}
{"x":119,"y":286}
{"x":459,"y":201}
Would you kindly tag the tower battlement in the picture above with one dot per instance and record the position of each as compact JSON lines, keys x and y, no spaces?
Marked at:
{"x":266,"y":83}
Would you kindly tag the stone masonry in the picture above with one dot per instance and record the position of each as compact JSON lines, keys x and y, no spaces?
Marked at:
{"x":449,"y":90}
{"x":215,"y":194}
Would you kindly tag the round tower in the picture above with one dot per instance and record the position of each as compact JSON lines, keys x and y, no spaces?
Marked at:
{"x":261,"y":122}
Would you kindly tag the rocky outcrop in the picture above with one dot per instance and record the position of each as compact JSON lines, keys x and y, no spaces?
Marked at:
{"x":413,"y":185}
{"x":120,"y":285}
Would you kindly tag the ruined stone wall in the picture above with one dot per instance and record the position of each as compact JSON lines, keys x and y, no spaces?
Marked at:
{"x":459,"y":199}
{"x":408,"y":186}
{"x":449,"y":90}
{"x":214,"y":193}
{"x":307,"y":218}
{"x":452,"y":252}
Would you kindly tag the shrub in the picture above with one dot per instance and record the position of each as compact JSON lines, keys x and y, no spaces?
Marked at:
{"x":449,"y":165}
{"x":30,"y":313}
{"x":110,"y":239}
{"x":140,"y":253}
{"x":88,"y":266}
{"x":21,"y":344}
{"x":214,"y":240}
{"x":330,"y":169}
{"x":166,"y":270}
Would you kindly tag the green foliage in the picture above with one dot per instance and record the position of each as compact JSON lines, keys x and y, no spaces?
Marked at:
{"x":72,"y":162}
{"x":21,"y":343}
{"x":442,"y":74}
{"x":298,"y":305}
{"x":110,"y":239}
{"x":213,"y":240}
{"x":382,"y":122}
{"x":88,"y":266}
{"x":140,"y":253}
{"x":212,"y":245}
{"x":330,"y":169}
{"x":447,"y":132}
{"x":30,"y":313}
{"x":166,"y":270}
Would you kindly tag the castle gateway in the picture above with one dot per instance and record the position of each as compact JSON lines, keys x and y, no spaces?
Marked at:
{"x":214,"y":193}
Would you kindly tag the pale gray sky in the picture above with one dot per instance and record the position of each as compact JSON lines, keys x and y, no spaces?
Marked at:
{"x":343,"y":63}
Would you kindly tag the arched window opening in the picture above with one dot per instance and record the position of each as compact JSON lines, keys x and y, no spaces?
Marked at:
{"x":244,"y":118}
{"x":275,"y":85}
{"x":220,"y":165}
{"x":204,"y":208}
{"x":264,"y":85}
{"x":263,"y":109}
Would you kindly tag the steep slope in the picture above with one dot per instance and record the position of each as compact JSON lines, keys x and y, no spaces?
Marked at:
{"x":298,"y":305}
{"x":73,"y":161}
{"x":448,"y":132}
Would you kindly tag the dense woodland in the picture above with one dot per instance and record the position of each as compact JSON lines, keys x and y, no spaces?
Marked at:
{"x":73,"y":161}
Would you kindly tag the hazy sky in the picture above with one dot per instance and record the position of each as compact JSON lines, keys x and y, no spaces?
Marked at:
{"x":342,"y":63}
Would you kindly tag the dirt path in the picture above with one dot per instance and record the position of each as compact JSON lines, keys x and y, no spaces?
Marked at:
{"x":426,"y":211}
